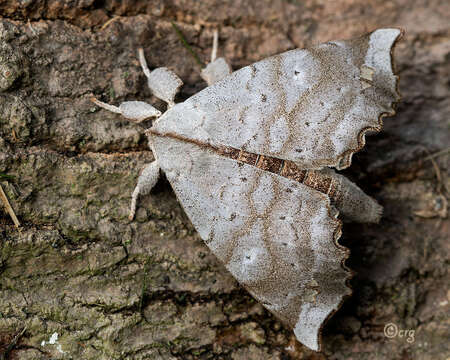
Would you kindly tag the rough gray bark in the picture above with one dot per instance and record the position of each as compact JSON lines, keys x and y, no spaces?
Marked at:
{"x":149,"y":289}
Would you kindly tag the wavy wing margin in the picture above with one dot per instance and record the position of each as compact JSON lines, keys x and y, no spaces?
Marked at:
{"x":311,"y":106}
{"x":277,"y":237}
{"x":345,"y":160}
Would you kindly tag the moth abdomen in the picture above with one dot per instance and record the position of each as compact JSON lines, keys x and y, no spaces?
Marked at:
{"x":353,"y":203}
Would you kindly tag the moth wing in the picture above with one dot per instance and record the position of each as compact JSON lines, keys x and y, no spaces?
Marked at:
{"x":311,"y":106}
{"x":276,"y":236}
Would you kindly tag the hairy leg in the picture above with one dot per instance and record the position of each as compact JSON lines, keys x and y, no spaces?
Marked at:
{"x":218,"y":68}
{"x":146,"y":181}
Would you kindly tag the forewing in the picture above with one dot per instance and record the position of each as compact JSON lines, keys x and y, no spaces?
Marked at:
{"x":277,"y":237}
{"x":310,"y":106}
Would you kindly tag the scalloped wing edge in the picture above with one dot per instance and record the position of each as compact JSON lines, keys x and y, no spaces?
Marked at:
{"x":333,"y":213}
{"x":345,"y":159}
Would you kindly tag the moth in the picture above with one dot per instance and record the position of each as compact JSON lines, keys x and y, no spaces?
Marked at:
{"x":251,"y":159}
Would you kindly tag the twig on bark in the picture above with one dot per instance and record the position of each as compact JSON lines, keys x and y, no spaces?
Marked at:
{"x":437,"y":154}
{"x":105,"y":25}
{"x":440,"y":202}
{"x":12,"y":344}
{"x":8,"y":207}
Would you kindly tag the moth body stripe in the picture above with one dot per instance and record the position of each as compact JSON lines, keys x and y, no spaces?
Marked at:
{"x":311,"y":178}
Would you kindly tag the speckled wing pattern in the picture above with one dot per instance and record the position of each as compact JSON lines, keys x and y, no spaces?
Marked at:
{"x":310,"y":106}
{"x":276,"y":236}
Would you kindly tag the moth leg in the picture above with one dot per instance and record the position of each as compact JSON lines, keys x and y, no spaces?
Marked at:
{"x":146,"y":181}
{"x":136,"y":111}
{"x":163,"y":83}
{"x":217,"y":69}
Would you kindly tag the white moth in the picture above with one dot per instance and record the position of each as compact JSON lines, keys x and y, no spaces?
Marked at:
{"x":250,"y":158}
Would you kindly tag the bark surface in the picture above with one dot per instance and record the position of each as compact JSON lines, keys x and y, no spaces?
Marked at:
{"x":80,"y":281}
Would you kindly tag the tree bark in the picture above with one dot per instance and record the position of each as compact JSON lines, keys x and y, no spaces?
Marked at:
{"x":150,"y":289}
